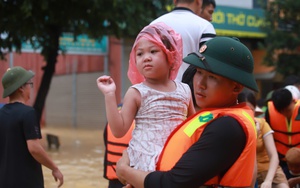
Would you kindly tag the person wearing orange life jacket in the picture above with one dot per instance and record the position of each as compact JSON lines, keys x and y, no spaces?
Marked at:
{"x":216,"y":146}
{"x":113,"y":152}
{"x":269,"y":173}
{"x":284,"y":118}
{"x":187,"y":133}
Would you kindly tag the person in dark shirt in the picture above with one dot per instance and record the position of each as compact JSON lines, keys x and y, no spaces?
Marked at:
{"x":216,"y":146}
{"x":21,"y":153}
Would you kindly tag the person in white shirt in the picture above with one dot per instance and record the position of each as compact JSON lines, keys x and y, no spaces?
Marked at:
{"x":193,"y":29}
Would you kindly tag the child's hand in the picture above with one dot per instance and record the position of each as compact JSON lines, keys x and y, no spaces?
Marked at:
{"x":106,"y":84}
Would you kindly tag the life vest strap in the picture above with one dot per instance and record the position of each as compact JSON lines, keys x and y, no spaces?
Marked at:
{"x":287,"y":145}
{"x":114,"y":153}
{"x":286,"y":133}
{"x":111,"y":163}
{"x":117,"y":144}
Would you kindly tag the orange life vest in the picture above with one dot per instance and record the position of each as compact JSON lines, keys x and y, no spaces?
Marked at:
{"x":286,"y":134}
{"x":113,"y":152}
{"x":241,"y":172}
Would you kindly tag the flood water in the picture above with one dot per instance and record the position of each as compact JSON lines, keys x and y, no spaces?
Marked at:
{"x":80,"y":157}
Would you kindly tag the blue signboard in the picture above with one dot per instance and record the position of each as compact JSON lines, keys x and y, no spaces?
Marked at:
{"x":83,"y":45}
{"x":239,"y":22}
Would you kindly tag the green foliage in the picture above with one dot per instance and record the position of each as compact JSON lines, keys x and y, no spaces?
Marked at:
{"x":282,"y":42}
{"x":45,"y":20}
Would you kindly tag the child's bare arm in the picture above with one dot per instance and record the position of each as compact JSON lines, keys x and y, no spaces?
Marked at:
{"x":131,"y":104}
{"x":119,"y":121}
{"x":107,"y":86}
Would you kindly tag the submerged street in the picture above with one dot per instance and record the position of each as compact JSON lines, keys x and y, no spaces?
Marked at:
{"x":80,"y":157}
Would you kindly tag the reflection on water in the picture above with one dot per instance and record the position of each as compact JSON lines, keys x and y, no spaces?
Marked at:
{"x":80,"y":157}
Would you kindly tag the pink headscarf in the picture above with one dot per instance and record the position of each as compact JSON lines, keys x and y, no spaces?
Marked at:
{"x":156,"y":33}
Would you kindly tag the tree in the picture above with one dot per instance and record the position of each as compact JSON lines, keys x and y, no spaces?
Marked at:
{"x":43,"y":22}
{"x":282,"y":27}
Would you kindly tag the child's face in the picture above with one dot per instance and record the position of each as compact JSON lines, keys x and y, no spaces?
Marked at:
{"x":294,"y":167}
{"x":151,"y":61}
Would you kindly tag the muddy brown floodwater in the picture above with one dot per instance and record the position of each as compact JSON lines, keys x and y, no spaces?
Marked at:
{"x":80,"y":157}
